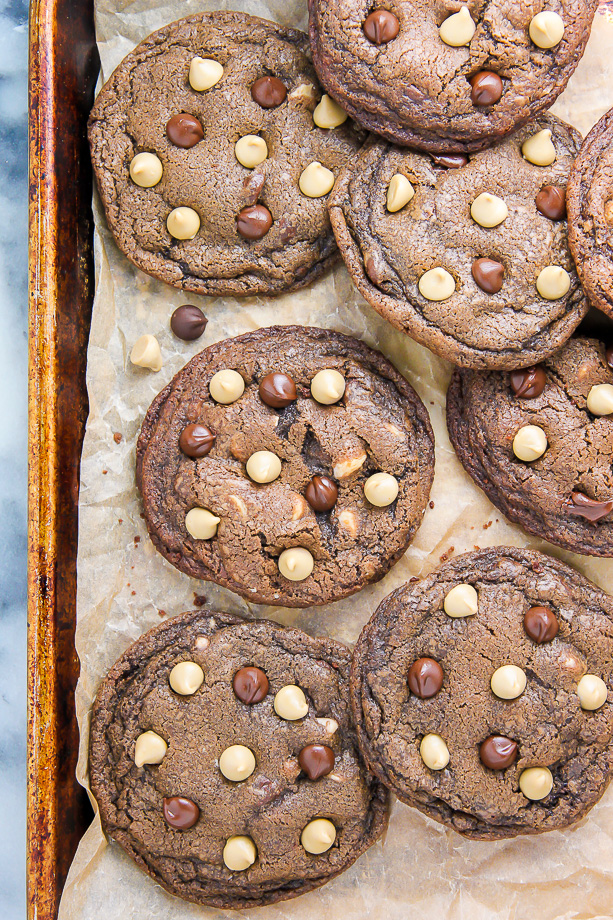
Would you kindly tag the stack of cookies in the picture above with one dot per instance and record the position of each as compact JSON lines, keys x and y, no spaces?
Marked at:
{"x":241,"y":762}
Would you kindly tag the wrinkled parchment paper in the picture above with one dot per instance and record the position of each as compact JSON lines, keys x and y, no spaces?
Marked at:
{"x":421,"y":870}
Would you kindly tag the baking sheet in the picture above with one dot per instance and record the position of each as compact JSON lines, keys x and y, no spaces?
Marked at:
{"x":421,"y":870}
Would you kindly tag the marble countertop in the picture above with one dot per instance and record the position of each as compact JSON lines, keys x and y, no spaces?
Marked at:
{"x":13,"y":452}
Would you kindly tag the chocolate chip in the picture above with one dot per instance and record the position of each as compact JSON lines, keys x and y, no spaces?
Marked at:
{"x":541,"y":624}
{"x":425,"y":678}
{"x":254,"y":222}
{"x":551,"y":202}
{"x":486,"y":88}
{"x":269,"y":92}
{"x":316,"y":760}
{"x":449,"y":160}
{"x":381,"y":27}
{"x":497,"y":752}
{"x":321,"y":493}
{"x":196,"y":440}
{"x":590,"y":509}
{"x":277,"y":390}
{"x":184,"y":130}
{"x":609,"y":355}
{"x":529,"y":382}
{"x":252,"y":188}
{"x":180,"y":812}
{"x":250,"y":685}
{"x":188,"y":322}
{"x":488,"y":274}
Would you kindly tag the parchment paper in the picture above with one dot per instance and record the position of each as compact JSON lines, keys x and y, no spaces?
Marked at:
{"x":421,"y":870}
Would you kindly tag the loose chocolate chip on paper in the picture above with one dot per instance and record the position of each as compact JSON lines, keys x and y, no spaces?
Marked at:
{"x":188,"y":322}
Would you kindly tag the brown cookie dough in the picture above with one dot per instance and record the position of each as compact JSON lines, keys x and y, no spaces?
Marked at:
{"x":185,"y":758}
{"x":336,"y":497}
{"x":389,"y":66}
{"x":183,"y":201}
{"x":472,"y":261}
{"x":518,"y":737}
{"x":499,"y":423}
{"x":590,"y":214}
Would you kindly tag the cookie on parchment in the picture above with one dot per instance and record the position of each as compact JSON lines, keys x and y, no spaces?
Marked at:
{"x":292,"y":465}
{"x":539,"y":442}
{"x":214,"y":150}
{"x":469,"y":256}
{"x":224,"y":761}
{"x":483,"y":694}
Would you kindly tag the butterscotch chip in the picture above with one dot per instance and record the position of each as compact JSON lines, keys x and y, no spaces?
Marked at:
{"x":318,"y":836}
{"x":458,"y":29}
{"x":316,"y":180}
{"x":329,"y":114}
{"x":146,"y":352}
{"x":183,"y":223}
{"x":539,"y":148}
{"x":239,"y":853}
{"x":146,"y":169}
{"x":547,"y":29}
{"x":399,"y":193}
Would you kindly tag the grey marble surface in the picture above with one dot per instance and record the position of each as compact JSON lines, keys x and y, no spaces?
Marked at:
{"x":13,"y":455}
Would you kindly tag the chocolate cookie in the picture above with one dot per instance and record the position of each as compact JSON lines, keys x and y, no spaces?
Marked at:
{"x":539,"y":442}
{"x":483,"y":693}
{"x":468,"y":257}
{"x":447,"y":77}
{"x":224,"y":761}
{"x":590,"y":214}
{"x":214,"y":151}
{"x":292,"y":465}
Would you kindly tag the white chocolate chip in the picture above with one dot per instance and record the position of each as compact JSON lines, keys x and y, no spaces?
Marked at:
{"x":226,"y":386}
{"x":304,"y":93}
{"x":240,"y":505}
{"x":201,"y":643}
{"x":316,"y":181}
{"x":530,"y":443}
{"x":546,"y":29}
{"x":329,"y":114}
{"x":299,"y":508}
{"x":592,"y":692}
{"x":437,"y":284}
{"x":201,"y":524}
{"x":186,"y":677}
{"x":330,"y":725}
{"x":183,"y":223}
{"x":251,"y":150}
{"x":291,"y":703}
{"x":508,"y":682}
{"x":434,"y":752}
{"x":488,"y":210}
{"x":399,"y":193}
{"x":327,"y":387}
{"x":600,"y":399}
{"x":204,"y":73}
{"x":393,"y":429}
{"x":237,"y":763}
{"x":296,"y":563}
{"x":150,"y":748}
{"x":263,"y":466}
{"x":539,"y":149}
{"x":146,"y":170}
{"x":553,"y":282}
{"x":536,"y":783}
{"x":239,"y":853}
{"x":318,"y":836}
{"x":349,"y":522}
{"x":458,"y":29}
{"x":146,"y":353}
{"x":381,"y":489}
{"x":346,"y":468}
{"x":461,"y":601}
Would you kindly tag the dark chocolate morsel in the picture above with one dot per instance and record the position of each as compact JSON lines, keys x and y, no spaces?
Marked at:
{"x":381,"y":27}
{"x":541,"y":624}
{"x":188,"y":322}
{"x":551,"y":202}
{"x":250,"y":685}
{"x":425,"y":678}
{"x":277,"y":390}
{"x":529,"y":382}
{"x":321,"y":493}
{"x":589,"y":508}
{"x":180,"y":812}
{"x":196,"y":440}
{"x":488,"y":274}
{"x":269,"y":92}
{"x":254,"y":222}
{"x":449,"y":160}
{"x":497,"y":752}
{"x":316,"y":760}
{"x":184,"y":130}
{"x":486,"y":88}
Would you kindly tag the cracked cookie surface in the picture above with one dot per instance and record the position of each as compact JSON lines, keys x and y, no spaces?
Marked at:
{"x":273,"y":805}
{"x":546,"y":721}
